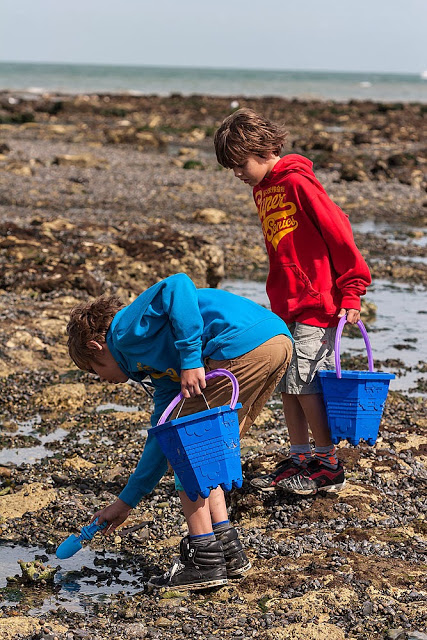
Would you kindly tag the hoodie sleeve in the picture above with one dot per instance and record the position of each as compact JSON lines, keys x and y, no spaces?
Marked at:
{"x":180,"y":303}
{"x":334,"y":226}
{"x":151,"y":467}
{"x":153,"y":464}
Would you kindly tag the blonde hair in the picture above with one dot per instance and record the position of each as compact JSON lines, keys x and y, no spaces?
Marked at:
{"x":245,"y":132}
{"x":90,"y":321}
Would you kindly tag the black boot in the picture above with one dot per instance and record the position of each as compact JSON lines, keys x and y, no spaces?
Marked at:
{"x":235,"y":558}
{"x":198,"y":567}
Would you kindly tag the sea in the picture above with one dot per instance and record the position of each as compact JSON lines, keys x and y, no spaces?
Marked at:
{"x":147,"y":80}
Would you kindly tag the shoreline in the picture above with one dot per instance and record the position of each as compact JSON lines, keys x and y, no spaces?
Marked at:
{"x":53,"y":93}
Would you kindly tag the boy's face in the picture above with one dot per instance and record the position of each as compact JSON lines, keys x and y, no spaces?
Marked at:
{"x":106,"y":367}
{"x":255,"y":168}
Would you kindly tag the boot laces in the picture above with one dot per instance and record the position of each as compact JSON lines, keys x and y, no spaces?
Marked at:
{"x":176,"y":566}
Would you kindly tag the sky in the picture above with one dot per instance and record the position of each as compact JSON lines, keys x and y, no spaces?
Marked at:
{"x":335,"y":35}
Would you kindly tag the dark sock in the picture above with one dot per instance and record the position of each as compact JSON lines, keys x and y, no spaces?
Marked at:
{"x":219,"y":527}
{"x":202,"y":539}
{"x":301,"y":454}
{"x":327,"y":456}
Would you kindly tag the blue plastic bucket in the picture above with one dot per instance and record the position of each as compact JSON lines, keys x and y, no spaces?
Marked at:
{"x":204,"y":448}
{"x":354,"y":400}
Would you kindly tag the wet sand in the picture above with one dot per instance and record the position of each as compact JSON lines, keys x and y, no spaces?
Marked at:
{"x":109,"y":194}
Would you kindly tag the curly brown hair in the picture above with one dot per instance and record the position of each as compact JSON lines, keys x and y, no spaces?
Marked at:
{"x":244,"y":133}
{"x":90,"y":321}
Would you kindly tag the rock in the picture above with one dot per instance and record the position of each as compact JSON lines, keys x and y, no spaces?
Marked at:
{"x":130,"y":135}
{"x":113,"y":474}
{"x":62,"y":396}
{"x":397,"y":634}
{"x":353,"y":172}
{"x":148,"y":139}
{"x":162,"y":622}
{"x":196,"y":135}
{"x":12,"y":628}
{"x":136,"y":630}
{"x":362,"y":137}
{"x":76,"y":463}
{"x":36,"y":572}
{"x":32,"y":497}
{"x":22,"y":338}
{"x":211,"y":216}
{"x":306,"y":631}
{"x":82,"y":160}
{"x":367,"y":608}
{"x":20,"y":169}
{"x":368,"y":310}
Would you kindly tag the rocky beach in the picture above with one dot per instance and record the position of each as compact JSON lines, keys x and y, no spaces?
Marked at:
{"x":108,"y":194}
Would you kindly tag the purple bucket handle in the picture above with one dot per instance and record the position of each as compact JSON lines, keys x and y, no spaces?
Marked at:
{"x":212,"y":374}
{"x":364,"y":333}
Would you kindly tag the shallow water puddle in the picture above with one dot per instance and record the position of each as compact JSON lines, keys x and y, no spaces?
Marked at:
{"x":396,"y":333}
{"x":391,"y":232}
{"x":111,"y":407}
{"x":416,"y":259}
{"x":29,"y":455}
{"x":81,"y":581}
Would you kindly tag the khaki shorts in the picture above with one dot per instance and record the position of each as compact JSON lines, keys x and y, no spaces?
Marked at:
{"x":258,"y":373}
{"x":314,"y":349}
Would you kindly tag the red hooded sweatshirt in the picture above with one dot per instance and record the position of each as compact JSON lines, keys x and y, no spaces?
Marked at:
{"x":315,"y":267}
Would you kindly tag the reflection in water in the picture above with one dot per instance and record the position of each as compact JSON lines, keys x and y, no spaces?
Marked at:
{"x":29,"y":455}
{"x":68,"y":584}
{"x":79,"y":583}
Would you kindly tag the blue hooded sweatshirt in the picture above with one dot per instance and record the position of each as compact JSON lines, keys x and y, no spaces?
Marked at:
{"x":174,"y":326}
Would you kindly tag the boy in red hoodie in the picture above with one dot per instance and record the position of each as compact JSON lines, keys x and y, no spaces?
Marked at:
{"x":317,"y":275}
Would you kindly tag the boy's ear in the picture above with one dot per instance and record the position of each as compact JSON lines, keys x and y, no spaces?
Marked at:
{"x":94,"y":345}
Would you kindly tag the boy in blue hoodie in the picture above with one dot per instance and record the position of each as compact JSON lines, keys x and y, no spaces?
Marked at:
{"x":174,"y":333}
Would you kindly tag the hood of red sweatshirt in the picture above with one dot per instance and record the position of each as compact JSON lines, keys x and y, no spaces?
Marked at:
{"x":288,"y":164}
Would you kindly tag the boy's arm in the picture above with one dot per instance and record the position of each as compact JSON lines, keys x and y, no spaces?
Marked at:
{"x":151,"y":467}
{"x":153,"y":464}
{"x":334,"y":226}
{"x":180,"y":303}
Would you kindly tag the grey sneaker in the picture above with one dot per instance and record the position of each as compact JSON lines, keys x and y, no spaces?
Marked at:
{"x":235,"y":558}
{"x":198,"y":567}
{"x":313,"y":479}
{"x":284,"y":469}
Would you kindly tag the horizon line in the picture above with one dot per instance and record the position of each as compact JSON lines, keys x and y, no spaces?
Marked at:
{"x":207,"y":68}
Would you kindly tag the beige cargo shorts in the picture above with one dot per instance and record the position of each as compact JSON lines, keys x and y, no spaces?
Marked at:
{"x":314,"y":349}
{"x":258,"y":373}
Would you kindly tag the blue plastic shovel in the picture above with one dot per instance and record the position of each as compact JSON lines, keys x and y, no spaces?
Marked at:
{"x":73,"y":543}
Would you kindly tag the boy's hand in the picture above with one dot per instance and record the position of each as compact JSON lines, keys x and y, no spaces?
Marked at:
{"x":353,"y":315}
{"x":192,"y":382}
{"x":114,"y":514}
